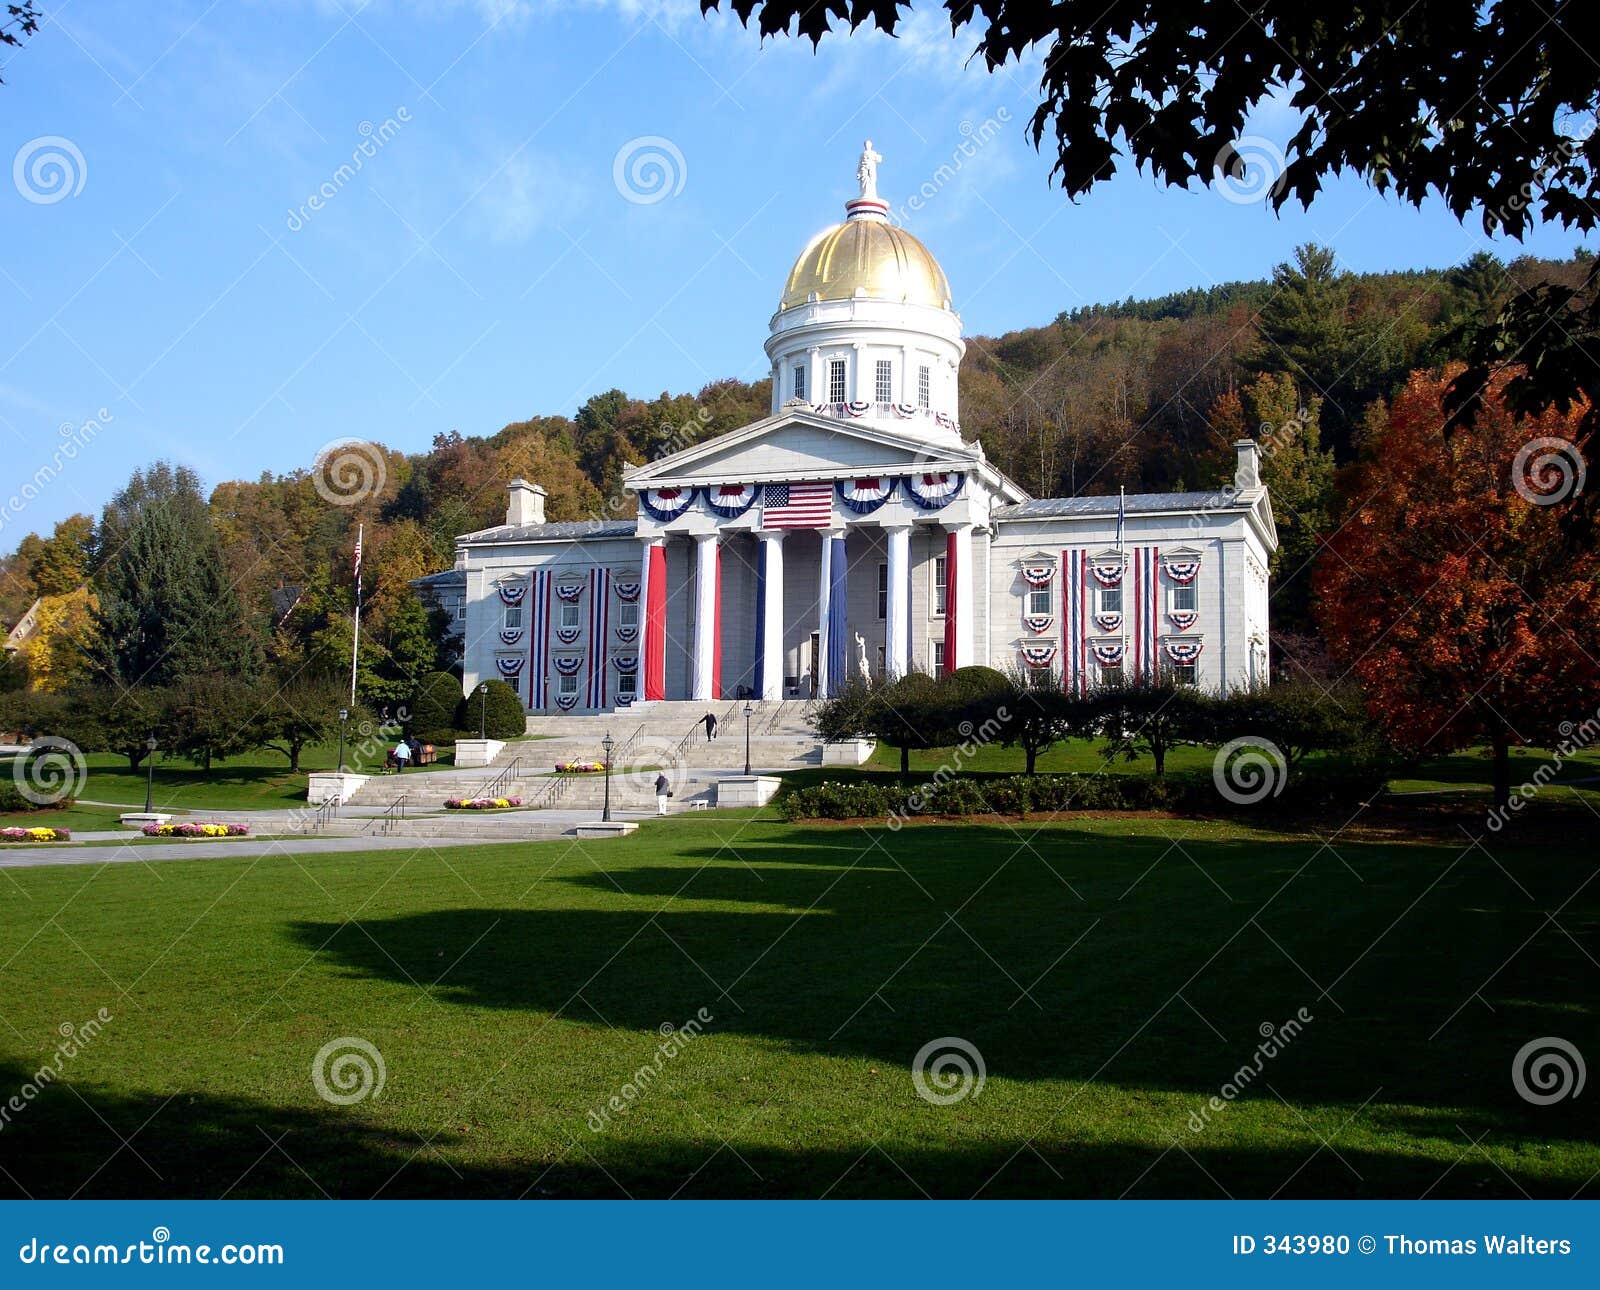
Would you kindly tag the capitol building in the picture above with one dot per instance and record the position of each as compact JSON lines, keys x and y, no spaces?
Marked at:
{"x":856,"y":532}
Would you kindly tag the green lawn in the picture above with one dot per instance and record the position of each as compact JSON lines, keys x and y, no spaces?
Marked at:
{"x":1114,"y":975}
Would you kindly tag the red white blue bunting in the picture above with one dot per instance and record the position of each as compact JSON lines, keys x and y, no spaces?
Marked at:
{"x":510,"y":635}
{"x":570,"y":591}
{"x":905,"y":411}
{"x":566,"y":635}
{"x":511,"y":593}
{"x":945,"y":420}
{"x":864,"y":495}
{"x":627,"y":635}
{"x":628,"y":591}
{"x":1108,"y":621}
{"x":1183,"y":651}
{"x":1107,"y":655}
{"x":1183,"y":619}
{"x":1038,"y":624}
{"x":857,"y":407}
{"x":539,"y":640}
{"x":599,"y":633}
{"x":1182,"y":570}
{"x":625,"y":700}
{"x":1108,"y":575}
{"x":1146,"y":609}
{"x":509,"y":666}
{"x":1038,"y":655}
{"x":730,"y":500}
{"x":1075,"y":601}
{"x":1038,"y":575}
{"x":932,"y":490}
{"x":666,"y":503}
{"x":566,"y":702}
{"x":568,"y":665}
{"x":625,"y":662}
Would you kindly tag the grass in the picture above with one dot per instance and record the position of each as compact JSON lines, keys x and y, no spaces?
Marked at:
{"x":1114,"y":974}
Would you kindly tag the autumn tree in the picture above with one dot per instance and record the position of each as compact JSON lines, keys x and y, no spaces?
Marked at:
{"x":1447,"y":589}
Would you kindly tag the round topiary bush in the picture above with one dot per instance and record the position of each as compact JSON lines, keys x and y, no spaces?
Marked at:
{"x":433,"y":709}
{"x":976,"y":680}
{"x":498,"y":709}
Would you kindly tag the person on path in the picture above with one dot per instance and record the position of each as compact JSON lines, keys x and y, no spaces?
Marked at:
{"x":663,"y":792}
{"x":402,"y":754}
{"x":711,"y":726}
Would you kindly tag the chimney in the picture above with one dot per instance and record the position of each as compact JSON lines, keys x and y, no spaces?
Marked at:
{"x":525,"y":503}
{"x":1248,"y":474}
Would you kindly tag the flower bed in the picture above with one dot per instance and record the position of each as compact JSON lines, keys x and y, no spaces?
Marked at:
{"x":35,"y":835}
{"x":195,"y":830}
{"x":580,"y":767}
{"x":481,"y":803}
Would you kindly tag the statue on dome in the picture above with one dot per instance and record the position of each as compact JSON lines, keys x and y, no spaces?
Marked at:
{"x":867,"y":171}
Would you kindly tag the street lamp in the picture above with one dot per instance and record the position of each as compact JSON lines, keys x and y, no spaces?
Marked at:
{"x":608,"y":743}
{"x":483,"y":699}
{"x":344,"y":715}
{"x":149,"y":770}
{"x":748,"y":709}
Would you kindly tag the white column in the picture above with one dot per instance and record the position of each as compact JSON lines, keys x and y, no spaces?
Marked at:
{"x":705,"y":616}
{"x":897,"y":618}
{"x":964,"y":597}
{"x":771,"y":611}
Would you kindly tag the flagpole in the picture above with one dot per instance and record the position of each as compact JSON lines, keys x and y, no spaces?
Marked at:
{"x":355,"y":639}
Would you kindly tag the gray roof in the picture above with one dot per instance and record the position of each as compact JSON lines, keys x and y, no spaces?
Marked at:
{"x":445,"y":578}
{"x":562,"y":530}
{"x":1050,"y":508}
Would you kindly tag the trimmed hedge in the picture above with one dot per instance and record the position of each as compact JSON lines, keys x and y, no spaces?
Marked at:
{"x":433,"y":709}
{"x":499,"y":708}
{"x":12,"y":802}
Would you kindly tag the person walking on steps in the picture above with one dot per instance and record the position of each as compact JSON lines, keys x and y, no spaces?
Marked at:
{"x":711,"y":726}
{"x":402,"y":754}
{"x":663,"y":792}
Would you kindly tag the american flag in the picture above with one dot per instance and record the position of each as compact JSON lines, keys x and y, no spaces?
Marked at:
{"x":797,"y":506}
{"x":357,"y":568}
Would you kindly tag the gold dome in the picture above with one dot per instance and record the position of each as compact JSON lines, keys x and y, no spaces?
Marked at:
{"x":868,"y":257}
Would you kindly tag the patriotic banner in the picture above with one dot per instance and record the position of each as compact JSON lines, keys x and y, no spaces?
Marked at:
{"x":539,"y":641}
{"x":599,"y":634}
{"x":1183,"y":651}
{"x":1108,"y":575}
{"x":628,"y":591}
{"x":1183,"y":570}
{"x":797,"y":506}
{"x":863,"y":496}
{"x":1146,"y":612}
{"x":730,"y":500}
{"x":511,"y":593}
{"x":1038,"y":575}
{"x":905,"y":411}
{"x":1183,"y":619}
{"x":627,"y":635}
{"x":566,"y":702}
{"x":509,"y":666}
{"x":510,"y":635}
{"x":932,"y":490}
{"x":1108,"y":655}
{"x":1075,"y":608}
{"x":1108,"y":622}
{"x":1038,"y":655}
{"x":857,"y":407}
{"x":666,"y":503}
{"x":946,"y":421}
{"x":1038,"y":624}
{"x":568,"y":664}
{"x":625,"y":700}
{"x":625,"y":662}
{"x":566,"y":635}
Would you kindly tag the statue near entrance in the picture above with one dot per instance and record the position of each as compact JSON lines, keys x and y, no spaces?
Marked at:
{"x":867,"y":171}
{"x":862,"y":666}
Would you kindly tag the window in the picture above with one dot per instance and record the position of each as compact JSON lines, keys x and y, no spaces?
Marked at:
{"x":924,"y":387}
{"x":836,"y":387}
{"x":1183,"y":673}
{"x":569,"y":615}
{"x":883,"y":592}
{"x":884,"y":384}
{"x":1183,"y":597}
{"x":1041,"y":678}
{"x":799,"y":380}
{"x":512,"y":618}
{"x":1039,"y":600}
{"x":566,"y":685}
{"x":628,"y":614}
{"x":936,"y":655}
{"x":461,"y":611}
{"x":1110,"y":600}
{"x":1111,"y":675}
{"x":627,"y":685}
{"x":939,"y":585}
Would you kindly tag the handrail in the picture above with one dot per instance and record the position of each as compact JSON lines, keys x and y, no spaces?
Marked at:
{"x":391,"y":817}
{"x":561,"y":785}
{"x":325,"y":811}
{"x":506,"y":775}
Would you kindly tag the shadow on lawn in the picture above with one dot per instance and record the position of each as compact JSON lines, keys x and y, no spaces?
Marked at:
{"x":1080,"y":958}
{"x":87,"y":1143}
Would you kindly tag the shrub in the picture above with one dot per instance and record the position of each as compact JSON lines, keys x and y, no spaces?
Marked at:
{"x":498,"y":708}
{"x":12,"y":801}
{"x":194,"y":829}
{"x":834,"y":801}
{"x":433,"y":709}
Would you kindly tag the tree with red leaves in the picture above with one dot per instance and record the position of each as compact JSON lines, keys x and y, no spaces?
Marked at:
{"x":1451,"y":590}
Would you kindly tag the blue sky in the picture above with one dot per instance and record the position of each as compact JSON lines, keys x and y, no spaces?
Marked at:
{"x":485,"y":264}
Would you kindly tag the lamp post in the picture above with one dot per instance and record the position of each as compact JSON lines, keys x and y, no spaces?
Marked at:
{"x":748,"y":709}
{"x":344,"y":715}
{"x":608,"y":743}
{"x":149,"y":771}
{"x":483,"y":699}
